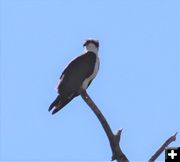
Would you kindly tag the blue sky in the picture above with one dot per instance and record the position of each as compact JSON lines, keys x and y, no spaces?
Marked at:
{"x":137,"y":87}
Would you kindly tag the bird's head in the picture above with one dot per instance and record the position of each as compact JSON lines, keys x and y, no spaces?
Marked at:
{"x":91,"y":45}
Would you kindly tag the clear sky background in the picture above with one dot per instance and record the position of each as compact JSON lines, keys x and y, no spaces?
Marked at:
{"x":137,"y":87}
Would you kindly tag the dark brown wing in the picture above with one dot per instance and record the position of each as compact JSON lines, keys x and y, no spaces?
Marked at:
{"x":76,"y":72}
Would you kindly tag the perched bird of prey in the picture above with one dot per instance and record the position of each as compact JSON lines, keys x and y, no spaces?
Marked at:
{"x":77,"y":75}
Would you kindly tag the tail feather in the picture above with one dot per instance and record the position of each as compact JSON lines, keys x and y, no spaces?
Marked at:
{"x":58,"y":104}
{"x":54,"y":103}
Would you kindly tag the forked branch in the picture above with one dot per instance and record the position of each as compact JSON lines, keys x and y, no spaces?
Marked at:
{"x":114,"y":139}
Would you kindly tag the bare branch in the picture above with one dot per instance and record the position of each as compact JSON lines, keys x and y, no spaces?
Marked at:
{"x":114,"y":139}
{"x":162,"y":148}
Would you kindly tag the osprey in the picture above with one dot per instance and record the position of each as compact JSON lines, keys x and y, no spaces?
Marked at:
{"x":78,"y":75}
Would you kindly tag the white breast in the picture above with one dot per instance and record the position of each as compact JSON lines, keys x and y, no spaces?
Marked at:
{"x":93,"y":75}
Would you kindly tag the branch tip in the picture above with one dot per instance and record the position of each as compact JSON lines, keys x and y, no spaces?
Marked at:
{"x":162,"y":148}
